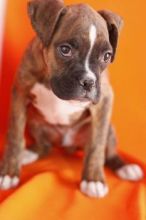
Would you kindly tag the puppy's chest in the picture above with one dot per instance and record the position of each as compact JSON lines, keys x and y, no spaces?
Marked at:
{"x":55,"y":110}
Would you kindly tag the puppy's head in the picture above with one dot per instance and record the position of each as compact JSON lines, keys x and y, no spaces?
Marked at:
{"x":79,"y":43}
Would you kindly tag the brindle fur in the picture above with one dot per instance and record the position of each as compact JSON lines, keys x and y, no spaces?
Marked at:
{"x":36,"y":66}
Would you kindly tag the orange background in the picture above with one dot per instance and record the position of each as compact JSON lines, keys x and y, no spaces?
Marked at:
{"x":33,"y":200}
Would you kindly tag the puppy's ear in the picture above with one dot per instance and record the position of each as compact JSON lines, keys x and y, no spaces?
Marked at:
{"x":44,"y":16}
{"x":114,"y":24}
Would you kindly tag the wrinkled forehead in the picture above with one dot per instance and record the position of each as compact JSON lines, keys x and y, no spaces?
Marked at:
{"x":78,"y":22}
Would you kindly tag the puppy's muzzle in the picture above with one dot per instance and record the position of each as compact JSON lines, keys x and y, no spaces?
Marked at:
{"x":87,"y":83}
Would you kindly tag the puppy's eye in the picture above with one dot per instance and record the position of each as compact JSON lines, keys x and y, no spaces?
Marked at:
{"x":65,"y":50}
{"x":107,"y":57}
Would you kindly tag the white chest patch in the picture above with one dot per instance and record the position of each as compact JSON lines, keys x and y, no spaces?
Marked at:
{"x":55,"y":110}
{"x":92,"y":39}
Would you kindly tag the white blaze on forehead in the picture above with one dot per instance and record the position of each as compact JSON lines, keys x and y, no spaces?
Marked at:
{"x":92,"y":39}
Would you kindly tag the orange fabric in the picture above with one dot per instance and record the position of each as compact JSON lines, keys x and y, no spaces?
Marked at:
{"x":49,"y":187}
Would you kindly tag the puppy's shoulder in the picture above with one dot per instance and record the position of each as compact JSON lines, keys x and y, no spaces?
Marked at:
{"x":32,"y":66}
{"x":106,"y":87}
{"x":33,"y":55}
{"x":107,"y":94}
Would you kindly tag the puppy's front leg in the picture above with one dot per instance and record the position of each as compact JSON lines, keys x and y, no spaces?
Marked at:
{"x":93,"y":180}
{"x":11,"y":162}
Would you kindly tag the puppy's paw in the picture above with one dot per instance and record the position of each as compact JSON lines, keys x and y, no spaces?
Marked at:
{"x":9,"y":174}
{"x":131,"y":172}
{"x":28,"y":157}
{"x":94,"y":189}
{"x":7,"y":182}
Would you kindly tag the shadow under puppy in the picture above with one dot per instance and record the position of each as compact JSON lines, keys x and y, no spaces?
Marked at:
{"x":62,"y":90}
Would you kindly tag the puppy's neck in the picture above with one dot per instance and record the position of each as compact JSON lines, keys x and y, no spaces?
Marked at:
{"x":55,"y":110}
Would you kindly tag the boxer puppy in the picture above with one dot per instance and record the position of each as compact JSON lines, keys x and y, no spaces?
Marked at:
{"x":63,"y":94}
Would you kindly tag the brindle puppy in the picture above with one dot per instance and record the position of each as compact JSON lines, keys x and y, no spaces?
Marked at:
{"x":63,"y":94}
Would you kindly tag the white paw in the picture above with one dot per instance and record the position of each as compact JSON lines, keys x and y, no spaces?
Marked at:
{"x":7,"y":182}
{"x":131,"y":172}
{"x":94,"y":189}
{"x":28,"y":156}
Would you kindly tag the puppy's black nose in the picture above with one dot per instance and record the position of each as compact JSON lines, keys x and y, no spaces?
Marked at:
{"x":87,"y":84}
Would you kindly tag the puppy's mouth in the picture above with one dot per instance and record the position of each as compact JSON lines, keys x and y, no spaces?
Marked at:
{"x":89,"y":97}
{"x":70,"y":90}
